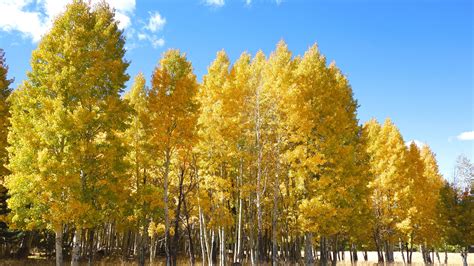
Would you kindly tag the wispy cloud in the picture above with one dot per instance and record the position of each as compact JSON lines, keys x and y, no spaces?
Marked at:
{"x":158,"y":42}
{"x":148,"y":32}
{"x":156,"y":22}
{"x":154,"y":40}
{"x":249,"y":2}
{"x":33,"y":18}
{"x":468,"y":135}
{"x":215,"y":3}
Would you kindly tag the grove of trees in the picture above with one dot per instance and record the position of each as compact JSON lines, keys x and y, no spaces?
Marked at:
{"x":265,"y":160}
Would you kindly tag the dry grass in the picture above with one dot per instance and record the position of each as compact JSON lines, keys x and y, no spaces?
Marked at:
{"x":453,"y":259}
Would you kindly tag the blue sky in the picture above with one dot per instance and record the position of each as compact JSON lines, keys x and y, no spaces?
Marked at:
{"x":411,"y":61}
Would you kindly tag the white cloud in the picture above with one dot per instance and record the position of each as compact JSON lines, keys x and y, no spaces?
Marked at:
{"x":468,"y":135}
{"x":142,"y":36}
{"x":33,"y":18}
{"x":418,"y":143}
{"x":156,"y":22}
{"x":15,"y":18}
{"x":154,"y":40}
{"x":122,"y":5}
{"x":158,"y":42}
{"x":123,"y":20}
{"x":215,"y":3}
{"x":51,"y":7}
{"x":147,"y":33}
{"x":249,"y":2}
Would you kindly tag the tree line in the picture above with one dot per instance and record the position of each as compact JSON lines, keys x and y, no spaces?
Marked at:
{"x":263,"y":161}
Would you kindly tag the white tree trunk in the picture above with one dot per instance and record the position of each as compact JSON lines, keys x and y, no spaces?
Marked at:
{"x":259,"y":174}
{"x":76,"y":247}
{"x":211,"y":251}
{"x":201,"y":237}
{"x":222,"y":247}
{"x":239,"y":235}
{"x":276,"y":188}
{"x":464,"y":254}
{"x":206,"y":240}
{"x":59,"y":245}
{"x":308,"y":249}
{"x":136,"y":238}
{"x":239,"y":217}
{"x":166,"y":209}
{"x":152,"y":247}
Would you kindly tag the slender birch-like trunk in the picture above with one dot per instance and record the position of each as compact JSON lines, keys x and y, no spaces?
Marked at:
{"x":166,"y":208}
{"x":355,"y":258}
{"x":76,"y":247}
{"x":59,"y":245}
{"x":308,"y":249}
{"x":201,"y":236}
{"x":152,"y":248}
{"x":239,"y":217}
{"x":400,"y":245}
{"x":276,"y":192}
{"x":464,"y":253}
{"x":206,"y":240}
{"x":222,"y":255}
{"x":259,"y":176}
{"x":239,"y":235}
{"x":143,"y":244}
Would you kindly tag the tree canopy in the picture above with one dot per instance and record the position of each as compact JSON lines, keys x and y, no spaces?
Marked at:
{"x":262,"y":161}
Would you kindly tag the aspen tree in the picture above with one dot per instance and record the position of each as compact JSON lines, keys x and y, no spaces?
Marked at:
{"x":239,"y":114}
{"x":387,"y":152}
{"x":66,"y":154}
{"x":214,"y":149}
{"x":412,"y":202}
{"x":145,"y":193}
{"x":258,"y":106}
{"x":325,"y":154}
{"x":432,"y":188}
{"x":278,"y":83}
{"x":173,"y":117}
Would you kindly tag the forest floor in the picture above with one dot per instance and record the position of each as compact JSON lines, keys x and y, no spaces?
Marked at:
{"x":453,"y":259}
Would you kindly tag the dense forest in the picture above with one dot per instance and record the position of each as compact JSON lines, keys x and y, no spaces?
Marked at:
{"x":265,"y":160}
